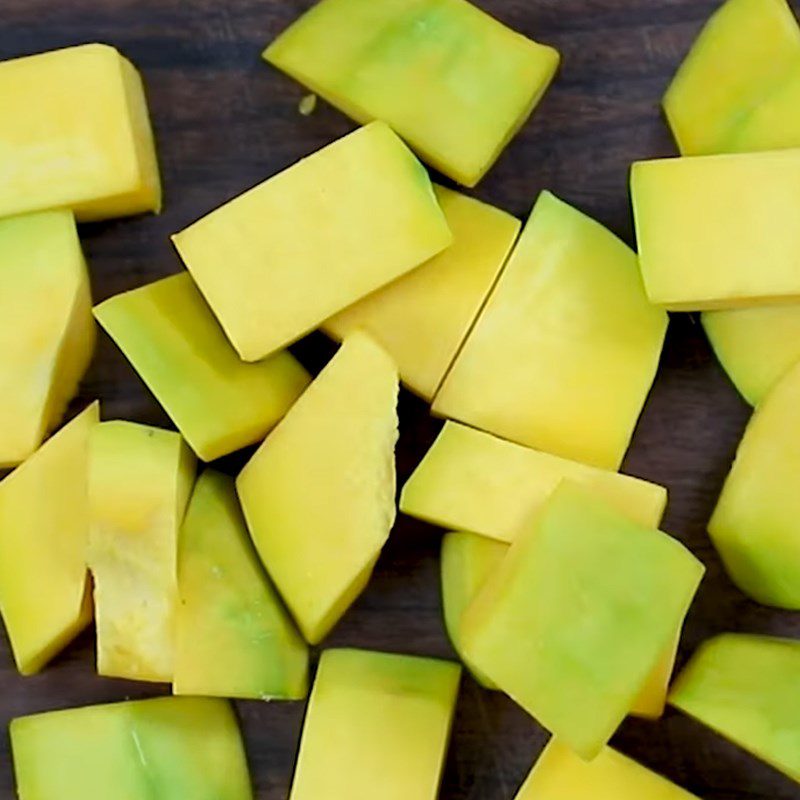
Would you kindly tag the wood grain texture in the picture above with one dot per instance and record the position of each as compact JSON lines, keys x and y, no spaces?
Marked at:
{"x":225,"y":121}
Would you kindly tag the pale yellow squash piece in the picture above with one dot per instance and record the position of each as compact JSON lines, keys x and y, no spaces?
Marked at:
{"x":140,"y":481}
{"x":45,"y":597}
{"x":564,"y":353}
{"x":561,"y":775}
{"x":455,"y":83}
{"x":170,"y":748}
{"x":719,"y":231}
{"x":48,"y":334}
{"x":377,"y":726}
{"x":279,"y":260}
{"x":234,"y":636}
{"x":318,"y":495}
{"x":217,"y":401}
{"x":422,"y":318}
{"x":472,"y":481}
{"x":740,"y":62}
{"x":756,"y":524}
{"x":75,"y":133}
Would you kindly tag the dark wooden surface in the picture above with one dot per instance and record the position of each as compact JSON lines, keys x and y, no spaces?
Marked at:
{"x":224,"y":121}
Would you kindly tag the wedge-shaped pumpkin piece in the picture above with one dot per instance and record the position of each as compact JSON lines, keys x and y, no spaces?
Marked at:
{"x":756,"y":524}
{"x":318,"y":495}
{"x":745,"y":688}
{"x":561,"y":775}
{"x":422,"y":318}
{"x":48,"y":334}
{"x":140,"y":481}
{"x":218,"y":402}
{"x":570,"y":306}
{"x":591,"y":602}
{"x":234,"y":637}
{"x":75,"y":133}
{"x":703,"y":222}
{"x":45,"y":598}
{"x":756,"y":346}
{"x":735,"y":72}
{"x":467,"y":562}
{"x":172,"y":748}
{"x":377,"y":725}
{"x":279,"y":260}
{"x":472,"y":481}
{"x":456,"y":84}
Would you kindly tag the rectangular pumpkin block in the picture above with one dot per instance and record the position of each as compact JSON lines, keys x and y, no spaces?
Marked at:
{"x":561,"y":775}
{"x":48,"y":334}
{"x":718,"y":231}
{"x":578,"y":615}
{"x":173,"y":748}
{"x":285,"y":256}
{"x":217,"y":401}
{"x":75,"y":133}
{"x":140,"y":481}
{"x":455,"y":83}
{"x":45,"y":597}
{"x":234,"y":638}
{"x":377,"y":726}
{"x":472,"y":481}
{"x":422,"y":318}
{"x":570,"y":306}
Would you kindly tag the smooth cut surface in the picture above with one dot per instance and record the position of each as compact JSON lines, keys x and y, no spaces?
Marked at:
{"x":756,"y":524}
{"x":140,"y":481}
{"x":745,"y":688}
{"x":75,"y":133}
{"x":45,"y":597}
{"x":591,"y":602}
{"x":346,"y":220}
{"x":422,"y":318}
{"x":472,"y":481}
{"x":455,"y":83}
{"x":318,"y":495}
{"x":702,"y":223}
{"x":561,"y":775}
{"x":756,"y":346}
{"x":563,"y":356}
{"x":737,"y":72}
{"x":172,"y":748}
{"x":48,"y":335}
{"x":217,"y":401}
{"x":377,"y":726}
{"x":234,"y":637}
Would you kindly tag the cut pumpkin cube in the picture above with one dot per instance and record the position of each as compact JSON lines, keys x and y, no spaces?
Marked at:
{"x":75,"y":133}
{"x":217,"y":401}
{"x":745,"y":688}
{"x":756,"y":346}
{"x":569,"y":305}
{"x":756,"y":524}
{"x":140,"y":481}
{"x":735,"y":79}
{"x":377,"y":726}
{"x":422,"y":318}
{"x":318,"y":495}
{"x":455,"y":83}
{"x":234,"y":637}
{"x":472,"y":481}
{"x":703,"y":222}
{"x":561,"y":775}
{"x":45,"y":597}
{"x":591,"y":601}
{"x":172,"y":748}
{"x":346,"y":221}
{"x":48,"y":335}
